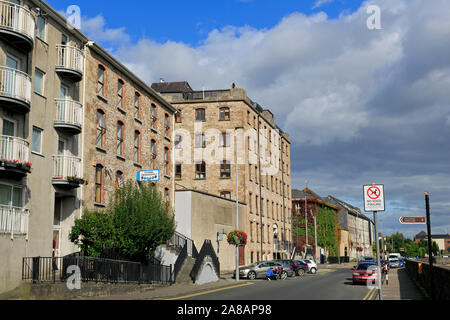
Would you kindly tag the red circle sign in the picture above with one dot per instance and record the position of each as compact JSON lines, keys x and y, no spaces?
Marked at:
{"x":373,"y":193}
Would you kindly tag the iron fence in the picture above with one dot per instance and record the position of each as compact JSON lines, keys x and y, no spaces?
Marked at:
{"x":99,"y":270}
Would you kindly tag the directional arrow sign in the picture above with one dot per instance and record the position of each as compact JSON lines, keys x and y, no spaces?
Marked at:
{"x":413,"y":220}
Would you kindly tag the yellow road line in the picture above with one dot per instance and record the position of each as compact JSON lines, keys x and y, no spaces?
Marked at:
{"x":369,"y":294}
{"x":211,"y":291}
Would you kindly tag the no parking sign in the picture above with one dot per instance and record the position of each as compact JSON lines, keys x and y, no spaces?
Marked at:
{"x":374,"y":197}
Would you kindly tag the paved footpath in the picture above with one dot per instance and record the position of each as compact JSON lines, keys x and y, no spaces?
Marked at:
{"x":400,"y":287}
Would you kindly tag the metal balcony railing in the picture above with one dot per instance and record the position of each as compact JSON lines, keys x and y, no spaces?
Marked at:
{"x":69,"y":112}
{"x":15,"y":84}
{"x":66,"y":167}
{"x":70,"y":58}
{"x":17,"y":19}
{"x":14,"y":149}
{"x":13,"y":220}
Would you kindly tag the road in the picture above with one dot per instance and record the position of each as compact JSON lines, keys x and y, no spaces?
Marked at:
{"x":336,"y":285}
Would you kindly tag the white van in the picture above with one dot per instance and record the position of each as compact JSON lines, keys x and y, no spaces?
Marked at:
{"x":394,"y":256}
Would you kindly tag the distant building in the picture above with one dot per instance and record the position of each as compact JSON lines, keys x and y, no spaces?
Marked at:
{"x":313,"y":202}
{"x":356,"y":230}
{"x":442,"y":240}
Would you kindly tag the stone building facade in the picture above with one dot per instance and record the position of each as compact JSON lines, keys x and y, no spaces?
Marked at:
{"x":129,"y":128}
{"x":358,"y":228}
{"x":211,"y":126}
{"x":41,"y":123}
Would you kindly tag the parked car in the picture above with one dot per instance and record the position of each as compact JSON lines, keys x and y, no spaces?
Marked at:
{"x":291,"y":267}
{"x":364,"y":272}
{"x":259,"y":270}
{"x":310,"y":265}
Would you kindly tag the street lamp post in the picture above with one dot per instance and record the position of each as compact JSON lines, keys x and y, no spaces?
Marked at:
{"x":237,"y":200}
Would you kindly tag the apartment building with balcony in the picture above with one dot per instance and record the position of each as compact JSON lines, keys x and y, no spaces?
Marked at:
{"x":128,"y":128}
{"x":41,"y":122}
{"x":212,"y":129}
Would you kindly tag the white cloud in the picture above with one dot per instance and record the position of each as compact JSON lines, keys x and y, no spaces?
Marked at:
{"x":320,"y":3}
{"x":96,"y":29}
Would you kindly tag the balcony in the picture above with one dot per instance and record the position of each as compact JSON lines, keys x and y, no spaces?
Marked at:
{"x":70,"y":62}
{"x":14,"y":155}
{"x":15,"y":90}
{"x":17,"y":25}
{"x":14,"y":221}
{"x":69,"y":116}
{"x":67,"y":172}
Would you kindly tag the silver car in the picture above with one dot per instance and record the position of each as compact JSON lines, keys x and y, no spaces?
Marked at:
{"x":258,"y":270}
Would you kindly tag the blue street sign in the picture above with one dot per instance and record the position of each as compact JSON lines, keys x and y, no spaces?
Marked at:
{"x":147,"y":175}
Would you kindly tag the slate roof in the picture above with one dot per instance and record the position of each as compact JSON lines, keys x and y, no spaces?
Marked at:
{"x":301,"y":194}
{"x":348,"y":207}
{"x":172,"y":87}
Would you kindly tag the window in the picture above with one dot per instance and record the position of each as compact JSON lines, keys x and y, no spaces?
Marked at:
{"x":39,"y":82}
{"x":200,"y":114}
{"x":224,"y":139}
{"x":154,"y":116}
{"x":119,"y":179}
{"x":225,"y":194}
{"x":178,"y":171}
{"x":178,"y":116}
{"x":37,"y":140}
{"x":200,"y":140}
{"x":167,"y":196}
{"x":166,"y":162}
{"x":166,"y":125}
{"x":178,"y":139}
{"x":101,"y":129}
{"x":101,"y":80}
{"x":11,"y":196}
{"x":99,"y":183}
{"x":137,"y":146}
{"x":120,"y":146}
{"x":40,"y":28}
{"x":225,"y":170}
{"x":120,"y":90}
{"x":200,"y":170}
{"x":137,"y":107}
{"x":154,"y":154}
{"x":224,"y":114}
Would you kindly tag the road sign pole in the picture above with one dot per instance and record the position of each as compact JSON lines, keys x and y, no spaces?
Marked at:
{"x":375,"y":221}
{"x":430,"y":252}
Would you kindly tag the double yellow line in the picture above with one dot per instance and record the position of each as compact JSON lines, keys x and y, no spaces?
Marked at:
{"x":370,"y":295}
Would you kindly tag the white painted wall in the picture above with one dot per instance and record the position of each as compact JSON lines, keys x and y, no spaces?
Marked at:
{"x":183,"y":212}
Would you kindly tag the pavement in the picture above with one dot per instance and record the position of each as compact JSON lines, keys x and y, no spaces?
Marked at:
{"x":398,"y":287}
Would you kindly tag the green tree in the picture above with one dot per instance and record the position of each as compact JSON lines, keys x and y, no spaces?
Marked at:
{"x":135,"y":223}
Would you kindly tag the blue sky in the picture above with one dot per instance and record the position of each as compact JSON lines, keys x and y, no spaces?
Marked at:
{"x":191,"y":21}
{"x":361,"y":106}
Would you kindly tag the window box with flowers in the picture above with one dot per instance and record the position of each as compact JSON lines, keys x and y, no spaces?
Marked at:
{"x":16,"y":165}
{"x":237,"y":238}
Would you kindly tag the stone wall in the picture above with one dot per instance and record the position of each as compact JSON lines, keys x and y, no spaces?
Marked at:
{"x":420,"y":272}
